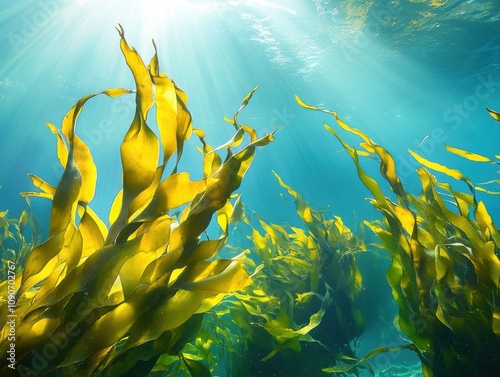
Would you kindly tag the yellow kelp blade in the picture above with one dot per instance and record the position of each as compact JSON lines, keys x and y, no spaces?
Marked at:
{"x":42,"y":185}
{"x":468,"y":155}
{"x":496,"y":322}
{"x":211,"y":161}
{"x":370,"y":183}
{"x":144,"y":99}
{"x":453,"y":173}
{"x":368,"y":143}
{"x":172,"y":115}
{"x":306,"y":106}
{"x":140,"y":149}
{"x":494,"y":114}
{"x":388,"y":171}
{"x":62,"y":147}
{"x":81,"y":152}
{"x":65,"y":198}
{"x":303,"y":208}
{"x":245,"y":101}
{"x":174,"y":191}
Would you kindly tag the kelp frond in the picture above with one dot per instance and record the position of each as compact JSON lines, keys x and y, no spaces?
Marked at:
{"x":111,"y":301}
{"x":445,"y":270}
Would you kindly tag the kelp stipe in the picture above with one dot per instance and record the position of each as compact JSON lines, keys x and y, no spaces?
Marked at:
{"x":445,"y":266}
{"x":99,"y":302}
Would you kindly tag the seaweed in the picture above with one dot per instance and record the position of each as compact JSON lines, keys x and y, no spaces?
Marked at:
{"x":101,"y":301}
{"x":445,"y":266}
{"x":303,"y":299}
{"x":17,"y":238}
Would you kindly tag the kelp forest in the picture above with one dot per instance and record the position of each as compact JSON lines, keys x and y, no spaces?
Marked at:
{"x":182,"y":279}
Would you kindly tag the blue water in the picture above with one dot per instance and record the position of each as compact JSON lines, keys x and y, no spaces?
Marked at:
{"x":398,"y":70}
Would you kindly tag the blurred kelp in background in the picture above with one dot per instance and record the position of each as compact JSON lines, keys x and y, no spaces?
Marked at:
{"x":302,"y":308}
{"x":17,"y":238}
{"x":110,"y":302}
{"x":445,"y":266}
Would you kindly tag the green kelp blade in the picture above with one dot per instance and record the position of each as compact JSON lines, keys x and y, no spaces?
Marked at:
{"x":342,"y":368}
{"x":280,"y":329}
{"x":493,"y":114}
{"x":496,"y":322}
{"x":221,"y":276}
{"x":234,"y":141}
{"x":195,"y":367}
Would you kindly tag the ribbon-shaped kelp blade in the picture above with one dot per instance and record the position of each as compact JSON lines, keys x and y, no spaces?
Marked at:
{"x":82,"y":155}
{"x":495,"y":115}
{"x":453,"y":173}
{"x":66,"y":196}
{"x":244,"y":103}
{"x":172,"y":115}
{"x":139,"y":150}
{"x":469,"y":155}
{"x":211,"y":161}
{"x":291,"y":338}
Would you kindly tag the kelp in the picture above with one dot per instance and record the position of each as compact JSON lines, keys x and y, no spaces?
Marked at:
{"x":18,"y":236}
{"x":305,"y":289}
{"x":445,"y":266}
{"x":110,"y":301}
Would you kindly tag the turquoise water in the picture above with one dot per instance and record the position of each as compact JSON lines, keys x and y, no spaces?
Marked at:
{"x":398,"y":70}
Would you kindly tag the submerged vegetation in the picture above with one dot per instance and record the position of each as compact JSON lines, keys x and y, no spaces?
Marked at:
{"x":110,"y":302}
{"x":150,"y":294}
{"x":445,"y":270}
{"x":305,"y":290}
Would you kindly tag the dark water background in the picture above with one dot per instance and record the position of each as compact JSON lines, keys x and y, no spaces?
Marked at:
{"x":398,"y":70}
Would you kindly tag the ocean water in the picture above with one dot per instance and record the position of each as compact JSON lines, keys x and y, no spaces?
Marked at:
{"x":410,"y":74}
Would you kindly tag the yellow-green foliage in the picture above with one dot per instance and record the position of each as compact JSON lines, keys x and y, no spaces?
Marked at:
{"x":17,"y":238}
{"x":298,"y":276}
{"x":94,"y":301}
{"x":445,"y":266}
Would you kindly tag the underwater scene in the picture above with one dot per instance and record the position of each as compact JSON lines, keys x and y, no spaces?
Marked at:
{"x":254,"y":188}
